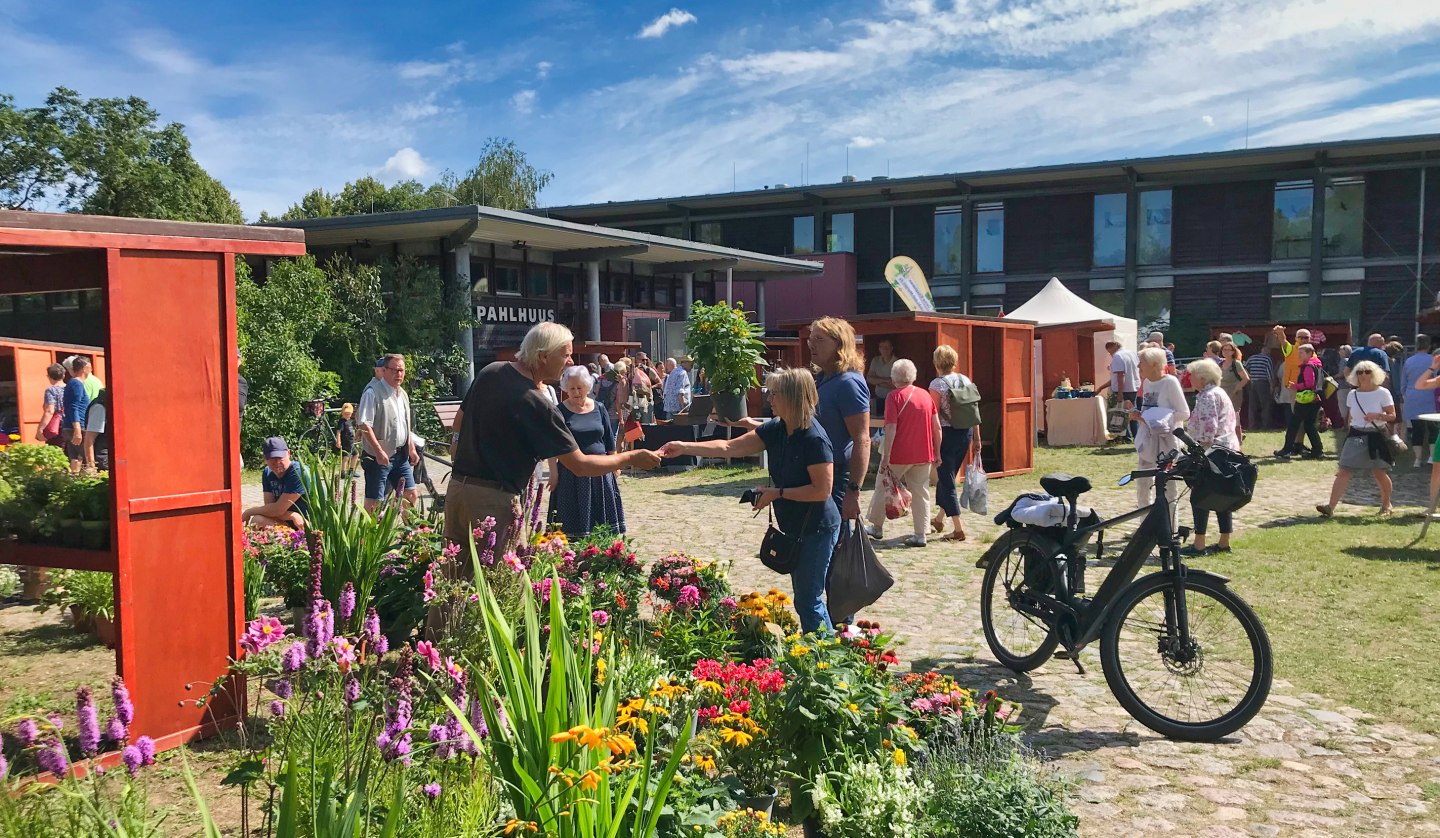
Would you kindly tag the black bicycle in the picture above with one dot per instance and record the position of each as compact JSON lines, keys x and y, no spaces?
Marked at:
{"x":319,"y":439}
{"x":1184,"y":654}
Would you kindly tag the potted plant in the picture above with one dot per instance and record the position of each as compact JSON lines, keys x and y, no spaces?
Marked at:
{"x":92,"y":502}
{"x":727,"y":346}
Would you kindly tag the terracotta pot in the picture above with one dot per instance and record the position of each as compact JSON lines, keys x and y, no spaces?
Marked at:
{"x":105,"y":631}
{"x":37,"y":582}
{"x":730,"y":407}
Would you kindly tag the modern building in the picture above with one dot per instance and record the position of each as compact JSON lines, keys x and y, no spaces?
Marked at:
{"x":616,"y":289}
{"x":1327,"y":232}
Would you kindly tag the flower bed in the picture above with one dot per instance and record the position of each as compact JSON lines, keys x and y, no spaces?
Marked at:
{"x":569,"y":690}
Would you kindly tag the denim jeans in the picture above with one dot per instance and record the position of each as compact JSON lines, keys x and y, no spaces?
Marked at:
{"x":809,"y":579}
{"x":954,"y":443}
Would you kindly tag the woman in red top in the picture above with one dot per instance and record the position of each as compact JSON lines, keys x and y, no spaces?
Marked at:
{"x":911,"y":447}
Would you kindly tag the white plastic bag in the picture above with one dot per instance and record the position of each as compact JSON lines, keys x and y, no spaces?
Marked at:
{"x":975,"y":495}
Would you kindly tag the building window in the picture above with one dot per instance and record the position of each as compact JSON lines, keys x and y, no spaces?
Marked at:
{"x":507,"y":279}
{"x":840,"y":236}
{"x":640,"y":292}
{"x":1344,"y":217}
{"x":479,"y":279}
{"x":565,"y":284}
{"x":1109,"y":241}
{"x":949,"y":223}
{"x":709,"y":232}
{"x":987,"y":305}
{"x":1153,"y":248}
{"x":804,"y":235}
{"x":1152,"y":311}
{"x":539,"y":280}
{"x":617,"y":288}
{"x":64,"y":301}
{"x":673,"y":231}
{"x":1294,"y":201}
{"x":989,"y":238}
{"x":664,"y":293}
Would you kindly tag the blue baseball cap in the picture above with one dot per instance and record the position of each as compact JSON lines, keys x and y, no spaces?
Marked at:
{"x":275,"y":447}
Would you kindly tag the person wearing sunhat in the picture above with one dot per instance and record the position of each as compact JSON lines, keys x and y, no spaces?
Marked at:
{"x":283,"y":488}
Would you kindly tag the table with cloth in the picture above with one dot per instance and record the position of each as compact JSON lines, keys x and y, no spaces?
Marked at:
{"x":1075,"y":422}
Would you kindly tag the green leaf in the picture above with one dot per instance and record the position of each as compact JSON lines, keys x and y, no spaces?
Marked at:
{"x":245,"y":773}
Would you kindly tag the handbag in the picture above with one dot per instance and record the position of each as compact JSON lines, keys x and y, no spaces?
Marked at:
{"x":52,"y":428}
{"x":1394,"y":442}
{"x":897,"y":497}
{"x":779,"y":550}
{"x":857,"y":578}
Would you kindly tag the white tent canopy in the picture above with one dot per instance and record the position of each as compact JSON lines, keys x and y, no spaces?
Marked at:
{"x":1056,"y":305}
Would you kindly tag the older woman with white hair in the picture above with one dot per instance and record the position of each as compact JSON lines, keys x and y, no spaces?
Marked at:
{"x":1161,"y":408}
{"x":912,"y":446}
{"x":580,"y":504}
{"x":1212,"y":424}
{"x":1371,"y":410}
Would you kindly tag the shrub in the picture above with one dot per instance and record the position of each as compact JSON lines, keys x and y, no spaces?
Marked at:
{"x":9,"y":581}
{"x":983,"y":785}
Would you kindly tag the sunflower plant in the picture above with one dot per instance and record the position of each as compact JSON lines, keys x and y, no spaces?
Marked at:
{"x":726,"y":345}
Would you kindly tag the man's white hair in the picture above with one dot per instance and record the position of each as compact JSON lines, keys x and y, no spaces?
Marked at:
{"x":542,"y":338}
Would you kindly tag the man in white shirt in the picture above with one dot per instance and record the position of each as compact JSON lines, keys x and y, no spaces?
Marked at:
{"x":677,"y":388}
{"x":1124,"y":378}
{"x":383,"y":420}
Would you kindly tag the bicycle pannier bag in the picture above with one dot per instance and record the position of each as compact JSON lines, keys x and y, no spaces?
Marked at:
{"x":1224,"y":482}
{"x":964,"y":403}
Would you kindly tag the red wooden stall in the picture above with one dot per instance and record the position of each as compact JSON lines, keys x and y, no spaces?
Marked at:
{"x":23,"y":365}
{"x":170,"y":343}
{"x":996,"y":352}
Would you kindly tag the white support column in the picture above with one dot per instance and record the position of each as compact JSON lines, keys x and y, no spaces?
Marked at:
{"x":592,"y":291}
{"x":730,"y":286}
{"x":467,"y":337}
{"x":689,"y":297}
{"x":760,"y":301}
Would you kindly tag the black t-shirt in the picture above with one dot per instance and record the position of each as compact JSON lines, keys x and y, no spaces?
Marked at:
{"x":791,"y":456}
{"x":508,"y":427}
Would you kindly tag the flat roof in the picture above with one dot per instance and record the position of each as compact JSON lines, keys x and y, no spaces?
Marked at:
{"x":568,"y":240}
{"x":1152,"y":168}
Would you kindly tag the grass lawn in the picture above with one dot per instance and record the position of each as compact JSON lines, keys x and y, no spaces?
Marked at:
{"x":1352,"y":609}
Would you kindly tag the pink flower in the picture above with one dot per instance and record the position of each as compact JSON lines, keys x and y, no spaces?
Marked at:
{"x":429,"y":585}
{"x":689,"y":597}
{"x":260,"y":633}
{"x":454,"y":670}
{"x":344,"y":652}
{"x":427,"y":650}
{"x":601,"y":618}
{"x":514,"y":563}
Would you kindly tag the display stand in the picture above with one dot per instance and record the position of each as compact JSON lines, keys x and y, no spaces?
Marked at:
{"x":170,"y":345}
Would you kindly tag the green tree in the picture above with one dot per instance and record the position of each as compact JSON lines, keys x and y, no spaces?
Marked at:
{"x":32,"y":162}
{"x":124,"y":162}
{"x":503,"y":178}
{"x":277,"y":322}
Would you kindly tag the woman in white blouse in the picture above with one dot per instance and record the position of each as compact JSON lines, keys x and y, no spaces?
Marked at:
{"x":1161,"y":409}
{"x":1212,"y":424}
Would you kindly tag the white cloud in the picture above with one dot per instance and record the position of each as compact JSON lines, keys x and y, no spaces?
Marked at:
{"x":405,"y":164}
{"x":524,"y":101}
{"x":1208,"y":120}
{"x":862,"y":141}
{"x":413,"y":70}
{"x":542,"y":70}
{"x":664,"y":23}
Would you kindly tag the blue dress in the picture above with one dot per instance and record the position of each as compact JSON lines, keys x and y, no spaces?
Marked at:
{"x":580,"y":504}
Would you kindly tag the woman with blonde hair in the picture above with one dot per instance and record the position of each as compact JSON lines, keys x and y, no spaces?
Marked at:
{"x":345,"y":439}
{"x":955,"y":442}
{"x":802,"y":467}
{"x":1161,"y":409}
{"x":912,"y":446}
{"x":1212,"y":424}
{"x":1234,"y":378}
{"x":843,"y":409}
{"x":1371,"y":409}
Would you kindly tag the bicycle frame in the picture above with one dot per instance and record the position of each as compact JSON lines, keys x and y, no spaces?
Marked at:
{"x":1154,"y":531}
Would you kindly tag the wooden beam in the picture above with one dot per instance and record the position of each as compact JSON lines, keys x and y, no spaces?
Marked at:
{"x":598,"y":254}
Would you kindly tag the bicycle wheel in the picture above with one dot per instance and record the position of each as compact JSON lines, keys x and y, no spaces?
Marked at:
{"x":1198,"y":692}
{"x":317,"y":441}
{"x":1020,"y":642}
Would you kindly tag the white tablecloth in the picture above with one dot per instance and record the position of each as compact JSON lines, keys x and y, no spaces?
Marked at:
{"x":1075,"y":421}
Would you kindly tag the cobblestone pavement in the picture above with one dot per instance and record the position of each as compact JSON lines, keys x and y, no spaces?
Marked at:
{"x":1304,"y":767}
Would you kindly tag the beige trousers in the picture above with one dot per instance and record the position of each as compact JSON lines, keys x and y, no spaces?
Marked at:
{"x":916,"y":478}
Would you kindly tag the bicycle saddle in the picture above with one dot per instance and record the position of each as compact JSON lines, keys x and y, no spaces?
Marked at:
{"x":1062,"y":485}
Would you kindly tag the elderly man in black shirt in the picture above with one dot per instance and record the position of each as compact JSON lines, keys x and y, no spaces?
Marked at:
{"x":505,"y":426}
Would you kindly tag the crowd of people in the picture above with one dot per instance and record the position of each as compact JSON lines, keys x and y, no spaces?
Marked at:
{"x":74,"y":413}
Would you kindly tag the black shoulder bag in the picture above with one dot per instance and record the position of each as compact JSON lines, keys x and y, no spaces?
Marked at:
{"x":779,"y":550}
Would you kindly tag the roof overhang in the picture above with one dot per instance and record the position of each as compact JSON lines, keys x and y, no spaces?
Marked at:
{"x":571,"y":242}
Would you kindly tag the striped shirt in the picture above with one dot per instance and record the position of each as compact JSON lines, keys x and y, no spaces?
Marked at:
{"x":1260,"y":367}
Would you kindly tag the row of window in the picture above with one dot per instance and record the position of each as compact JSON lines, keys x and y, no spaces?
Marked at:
{"x":489,"y":279}
{"x":88,"y":300}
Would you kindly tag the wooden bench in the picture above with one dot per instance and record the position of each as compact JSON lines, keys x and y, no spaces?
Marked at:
{"x":446,"y":411}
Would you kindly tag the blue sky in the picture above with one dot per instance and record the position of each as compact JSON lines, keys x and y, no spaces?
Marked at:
{"x":643,"y":99}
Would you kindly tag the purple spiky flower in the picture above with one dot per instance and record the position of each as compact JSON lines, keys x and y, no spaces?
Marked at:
{"x":89,"y":722}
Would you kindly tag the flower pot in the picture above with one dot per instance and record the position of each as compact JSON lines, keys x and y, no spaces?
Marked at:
{"x":763,"y":802}
{"x":105,"y":631}
{"x":83,"y":622}
{"x":812,"y":828}
{"x":94,"y":535}
{"x":69,"y":533}
{"x":730,"y":407}
{"x":37,"y":582}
